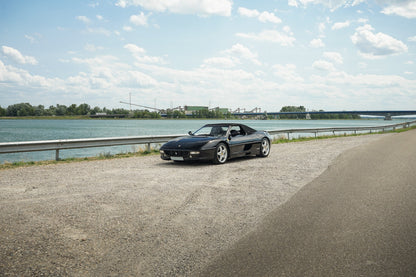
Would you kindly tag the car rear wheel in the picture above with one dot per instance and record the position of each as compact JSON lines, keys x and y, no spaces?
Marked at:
{"x":264,"y":147}
{"x":221,"y":154}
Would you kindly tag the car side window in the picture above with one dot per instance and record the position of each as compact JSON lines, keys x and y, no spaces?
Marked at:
{"x":236,"y":130}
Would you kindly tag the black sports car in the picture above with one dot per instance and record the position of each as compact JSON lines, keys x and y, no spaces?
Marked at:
{"x":218,"y":143}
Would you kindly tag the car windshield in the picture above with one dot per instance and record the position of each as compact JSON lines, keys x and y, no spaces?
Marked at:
{"x":212,"y":131}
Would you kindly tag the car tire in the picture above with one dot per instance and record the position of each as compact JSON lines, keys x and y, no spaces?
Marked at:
{"x":221,"y":154}
{"x":264,"y":148}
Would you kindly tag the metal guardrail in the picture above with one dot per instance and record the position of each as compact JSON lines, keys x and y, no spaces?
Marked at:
{"x":316,"y":131}
{"x":57,"y":145}
{"x":30,"y":146}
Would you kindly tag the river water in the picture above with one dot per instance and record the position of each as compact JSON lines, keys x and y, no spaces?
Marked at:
{"x":32,"y":130}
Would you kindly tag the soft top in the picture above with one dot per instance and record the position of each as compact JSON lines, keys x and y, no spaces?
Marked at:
{"x":247,"y":130}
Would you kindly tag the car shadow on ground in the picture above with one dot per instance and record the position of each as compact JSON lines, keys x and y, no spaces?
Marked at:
{"x":204,"y":163}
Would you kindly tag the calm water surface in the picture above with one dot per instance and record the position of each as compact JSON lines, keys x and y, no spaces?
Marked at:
{"x":31,"y":130}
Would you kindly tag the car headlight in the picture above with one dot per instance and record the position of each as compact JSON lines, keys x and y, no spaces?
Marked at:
{"x":162,"y":152}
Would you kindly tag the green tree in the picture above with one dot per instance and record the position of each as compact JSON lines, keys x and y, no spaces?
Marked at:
{"x":39,"y":110}
{"x":50,"y":111}
{"x":96,"y":110}
{"x":2,"y":111}
{"x":71,"y":110}
{"x":83,"y":109}
{"x":21,"y":109}
{"x":60,"y":110}
{"x":292,"y":109}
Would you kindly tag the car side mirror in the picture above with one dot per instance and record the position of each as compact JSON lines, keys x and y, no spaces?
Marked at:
{"x":229,"y":137}
{"x":190,"y":133}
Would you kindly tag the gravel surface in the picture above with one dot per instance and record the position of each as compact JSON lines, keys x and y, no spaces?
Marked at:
{"x":144,"y":216}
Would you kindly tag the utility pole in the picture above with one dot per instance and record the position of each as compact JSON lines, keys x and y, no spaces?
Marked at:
{"x":130,"y":101}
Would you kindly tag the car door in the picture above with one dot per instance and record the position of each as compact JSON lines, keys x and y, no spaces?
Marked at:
{"x":237,"y":141}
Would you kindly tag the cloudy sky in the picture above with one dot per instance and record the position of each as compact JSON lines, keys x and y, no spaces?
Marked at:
{"x":322,"y":54}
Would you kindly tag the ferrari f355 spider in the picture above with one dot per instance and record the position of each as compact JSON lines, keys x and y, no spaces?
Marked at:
{"x":218,"y":143}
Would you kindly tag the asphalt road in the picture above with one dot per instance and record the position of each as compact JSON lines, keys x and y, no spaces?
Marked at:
{"x":356,"y":219}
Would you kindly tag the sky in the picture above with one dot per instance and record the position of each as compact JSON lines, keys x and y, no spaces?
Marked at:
{"x":321,"y":54}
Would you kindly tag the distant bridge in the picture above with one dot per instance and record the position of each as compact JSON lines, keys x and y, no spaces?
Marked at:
{"x":387,"y":114}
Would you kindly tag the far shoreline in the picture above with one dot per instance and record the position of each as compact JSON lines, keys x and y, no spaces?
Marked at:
{"x":82,"y":117}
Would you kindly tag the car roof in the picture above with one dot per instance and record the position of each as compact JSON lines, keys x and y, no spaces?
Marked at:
{"x":244,"y":127}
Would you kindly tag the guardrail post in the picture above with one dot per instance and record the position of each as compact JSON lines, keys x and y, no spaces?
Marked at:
{"x":148,"y":147}
{"x":288,"y":137}
{"x":57,"y":155}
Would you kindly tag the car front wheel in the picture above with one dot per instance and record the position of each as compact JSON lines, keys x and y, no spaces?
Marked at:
{"x":221,"y":154}
{"x":264,"y":148}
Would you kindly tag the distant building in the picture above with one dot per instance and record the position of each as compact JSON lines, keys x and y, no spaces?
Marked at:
{"x":190,"y":109}
{"x":221,"y":110}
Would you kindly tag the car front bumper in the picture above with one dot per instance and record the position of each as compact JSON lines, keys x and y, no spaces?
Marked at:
{"x":187,"y":155}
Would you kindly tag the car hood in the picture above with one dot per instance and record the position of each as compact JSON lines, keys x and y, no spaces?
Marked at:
{"x":188,"y":142}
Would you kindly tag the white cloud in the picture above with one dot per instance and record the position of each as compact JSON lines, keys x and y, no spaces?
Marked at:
{"x":293,"y":3}
{"x":23,"y":78}
{"x":288,"y":73}
{"x":401,"y":8}
{"x":92,"y":48}
{"x":84,"y":19}
{"x":139,"y":19}
{"x":270,"y":36}
{"x":140,"y":55}
{"x":332,"y":4}
{"x":269,"y":17}
{"x":30,"y":38}
{"x":15,"y":55}
{"x":99,"y":17}
{"x":404,"y":8}
{"x":232,"y":57}
{"x":106,"y":72}
{"x":134,"y":49}
{"x":412,"y":39}
{"x":223,"y":62}
{"x":262,"y":17}
{"x":99,"y":31}
{"x":323,"y":65}
{"x":376,"y":45}
{"x":316,"y":43}
{"x":34,"y":38}
{"x":341,"y":25}
{"x":247,"y":12}
{"x":127,"y":28}
{"x":240,"y":50}
{"x":334,"y":56}
{"x":203,"y":7}
{"x":287,"y":30}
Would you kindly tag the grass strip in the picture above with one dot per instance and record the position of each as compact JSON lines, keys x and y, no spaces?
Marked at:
{"x":101,"y":156}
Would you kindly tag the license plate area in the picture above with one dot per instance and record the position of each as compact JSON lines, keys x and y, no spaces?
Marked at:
{"x":176,"y":158}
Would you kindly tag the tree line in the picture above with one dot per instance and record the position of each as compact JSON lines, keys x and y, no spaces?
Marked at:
{"x":26,"y":109}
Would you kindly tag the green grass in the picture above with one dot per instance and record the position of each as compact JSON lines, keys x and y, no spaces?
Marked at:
{"x":101,"y":156}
